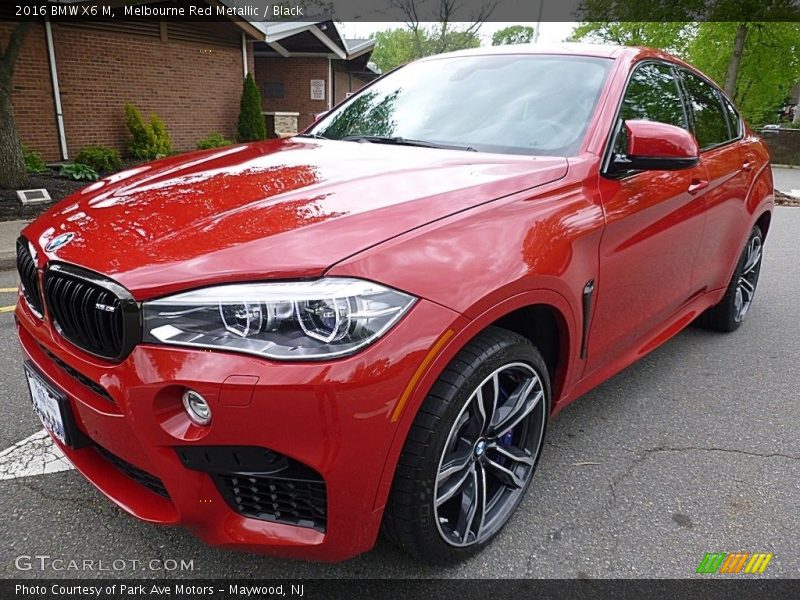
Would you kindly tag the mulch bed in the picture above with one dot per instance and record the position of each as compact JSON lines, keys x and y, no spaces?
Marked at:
{"x":58,"y":187}
{"x":782,"y":199}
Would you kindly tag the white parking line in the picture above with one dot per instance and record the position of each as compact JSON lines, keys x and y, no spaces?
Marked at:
{"x":35,"y":455}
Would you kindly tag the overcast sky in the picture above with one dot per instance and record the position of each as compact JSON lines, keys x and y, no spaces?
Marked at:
{"x":550,"y":32}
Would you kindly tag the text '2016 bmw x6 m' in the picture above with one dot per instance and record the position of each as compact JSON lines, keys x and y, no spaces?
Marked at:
{"x":288,"y":346}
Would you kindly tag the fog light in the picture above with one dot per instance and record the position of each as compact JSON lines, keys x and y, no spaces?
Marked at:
{"x":196,"y":407}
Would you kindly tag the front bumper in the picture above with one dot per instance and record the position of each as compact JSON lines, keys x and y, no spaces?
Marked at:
{"x":334,"y":417}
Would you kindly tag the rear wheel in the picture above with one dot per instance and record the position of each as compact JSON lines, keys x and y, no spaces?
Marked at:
{"x":472,"y":450}
{"x":729,"y":314}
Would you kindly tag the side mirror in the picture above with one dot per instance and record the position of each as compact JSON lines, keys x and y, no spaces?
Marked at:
{"x":656,"y":146}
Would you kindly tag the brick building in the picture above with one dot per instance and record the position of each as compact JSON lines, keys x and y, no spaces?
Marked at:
{"x":304,"y":69}
{"x":72,"y":79}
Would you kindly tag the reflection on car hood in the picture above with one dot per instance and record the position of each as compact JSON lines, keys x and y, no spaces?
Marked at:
{"x":289,"y":208}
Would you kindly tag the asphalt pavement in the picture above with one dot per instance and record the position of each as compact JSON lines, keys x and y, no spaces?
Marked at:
{"x":694,"y":449}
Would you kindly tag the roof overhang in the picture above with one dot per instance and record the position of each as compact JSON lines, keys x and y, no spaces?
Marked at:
{"x":359,"y":48}
{"x":310,"y":38}
{"x":248,"y":27}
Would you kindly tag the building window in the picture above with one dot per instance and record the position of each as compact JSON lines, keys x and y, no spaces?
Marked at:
{"x":274,"y":89}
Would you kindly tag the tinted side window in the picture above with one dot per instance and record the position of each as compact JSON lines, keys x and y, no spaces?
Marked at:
{"x":652,"y":95}
{"x":710,"y":124}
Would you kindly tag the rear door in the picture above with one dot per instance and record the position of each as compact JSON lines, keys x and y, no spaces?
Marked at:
{"x":654,"y":221}
{"x":730,"y":162}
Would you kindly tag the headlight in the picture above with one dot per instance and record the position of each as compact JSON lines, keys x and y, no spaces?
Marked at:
{"x":302,"y":320}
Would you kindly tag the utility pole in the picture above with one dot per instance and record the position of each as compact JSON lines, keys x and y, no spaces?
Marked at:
{"x":538,"y":23}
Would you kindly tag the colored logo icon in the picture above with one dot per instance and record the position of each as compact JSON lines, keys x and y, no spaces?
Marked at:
{"x":734,"y":562}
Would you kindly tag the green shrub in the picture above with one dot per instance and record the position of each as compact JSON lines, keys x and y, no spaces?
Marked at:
{"x":214,"y":140}
{"x":163,"y":143}
{"x":136,"y":125}
{"x":149,"y":140}
{"x":251,"y":121}
{"x":100,"y":158}
{"x":34,"y":163}
{"x":79,"y":171}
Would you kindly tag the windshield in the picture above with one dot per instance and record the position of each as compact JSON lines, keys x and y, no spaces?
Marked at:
{"x":521,"y":104}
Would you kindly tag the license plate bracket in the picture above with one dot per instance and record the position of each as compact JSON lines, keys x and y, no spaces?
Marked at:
{"x":53,"y":409}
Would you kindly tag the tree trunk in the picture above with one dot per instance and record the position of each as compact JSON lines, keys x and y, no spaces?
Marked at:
{"x":12,"y":166}
{"x":796,"y":119}
{"x":736,"y":60}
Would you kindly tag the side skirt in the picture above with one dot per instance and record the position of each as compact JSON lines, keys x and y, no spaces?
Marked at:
{"x":669,"y":329}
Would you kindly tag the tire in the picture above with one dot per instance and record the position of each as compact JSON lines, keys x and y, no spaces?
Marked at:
{"x":492,"y":457}
{"x":731,"y":311}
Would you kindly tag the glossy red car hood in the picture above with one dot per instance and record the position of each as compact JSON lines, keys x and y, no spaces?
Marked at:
{"x":278,"y":209}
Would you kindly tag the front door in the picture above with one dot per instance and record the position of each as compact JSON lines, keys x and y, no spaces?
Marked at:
{"x":654,"y":221}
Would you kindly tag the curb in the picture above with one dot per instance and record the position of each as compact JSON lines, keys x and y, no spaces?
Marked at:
{"x":8,"y":261}
{"x":9,"y":232}
{"x":787,"y":166}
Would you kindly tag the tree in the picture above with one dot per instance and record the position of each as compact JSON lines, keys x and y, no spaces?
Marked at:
{"x":444,"y":36}
{"x":769,"y":65}
{"x":395,"y":47}
{"x":516,"y":34}
{"x":251,"y":120}
{"x":12,"y":164}
{"x":669,"y":36}
{"x":755,"y":62}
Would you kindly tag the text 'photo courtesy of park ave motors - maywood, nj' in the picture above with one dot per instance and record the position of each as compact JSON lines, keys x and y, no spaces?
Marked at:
{"x":159,"y":590}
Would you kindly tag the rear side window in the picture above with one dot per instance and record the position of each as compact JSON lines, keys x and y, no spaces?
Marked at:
{"x":653,"y":94}
{"x":710,"y":120}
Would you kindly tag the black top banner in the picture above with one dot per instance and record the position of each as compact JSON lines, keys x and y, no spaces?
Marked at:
{"x":409,"y":10}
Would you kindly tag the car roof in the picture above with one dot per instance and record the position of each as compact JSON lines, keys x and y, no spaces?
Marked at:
{"x":610,"y":51}
{"x":578,"y":49}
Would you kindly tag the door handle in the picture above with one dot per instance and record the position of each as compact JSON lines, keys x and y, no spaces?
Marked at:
{"x":697,"y":185}
{"x":749,"y":163}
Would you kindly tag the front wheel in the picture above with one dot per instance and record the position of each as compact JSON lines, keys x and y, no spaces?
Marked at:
{"x":729,"y":314}
{"x":472,"y":450}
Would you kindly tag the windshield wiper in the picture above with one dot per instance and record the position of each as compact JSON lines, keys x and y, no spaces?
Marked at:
{"x":313,"y":135}
{"x":401,"y":141}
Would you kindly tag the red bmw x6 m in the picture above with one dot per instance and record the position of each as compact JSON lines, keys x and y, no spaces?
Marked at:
{"x":288,"y":346}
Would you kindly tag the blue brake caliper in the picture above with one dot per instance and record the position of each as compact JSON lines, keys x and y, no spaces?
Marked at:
{"x":506,"y":439}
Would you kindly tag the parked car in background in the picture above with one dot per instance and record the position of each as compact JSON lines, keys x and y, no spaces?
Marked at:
{"x":287,"y":346}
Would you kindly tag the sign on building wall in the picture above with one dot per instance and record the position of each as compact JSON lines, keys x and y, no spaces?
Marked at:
{"x":318,"y":89}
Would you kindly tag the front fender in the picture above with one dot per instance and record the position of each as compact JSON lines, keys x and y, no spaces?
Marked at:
{"x":455,"y":338}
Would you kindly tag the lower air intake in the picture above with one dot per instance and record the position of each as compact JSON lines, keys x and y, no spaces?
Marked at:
{"x":262,"y":484}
